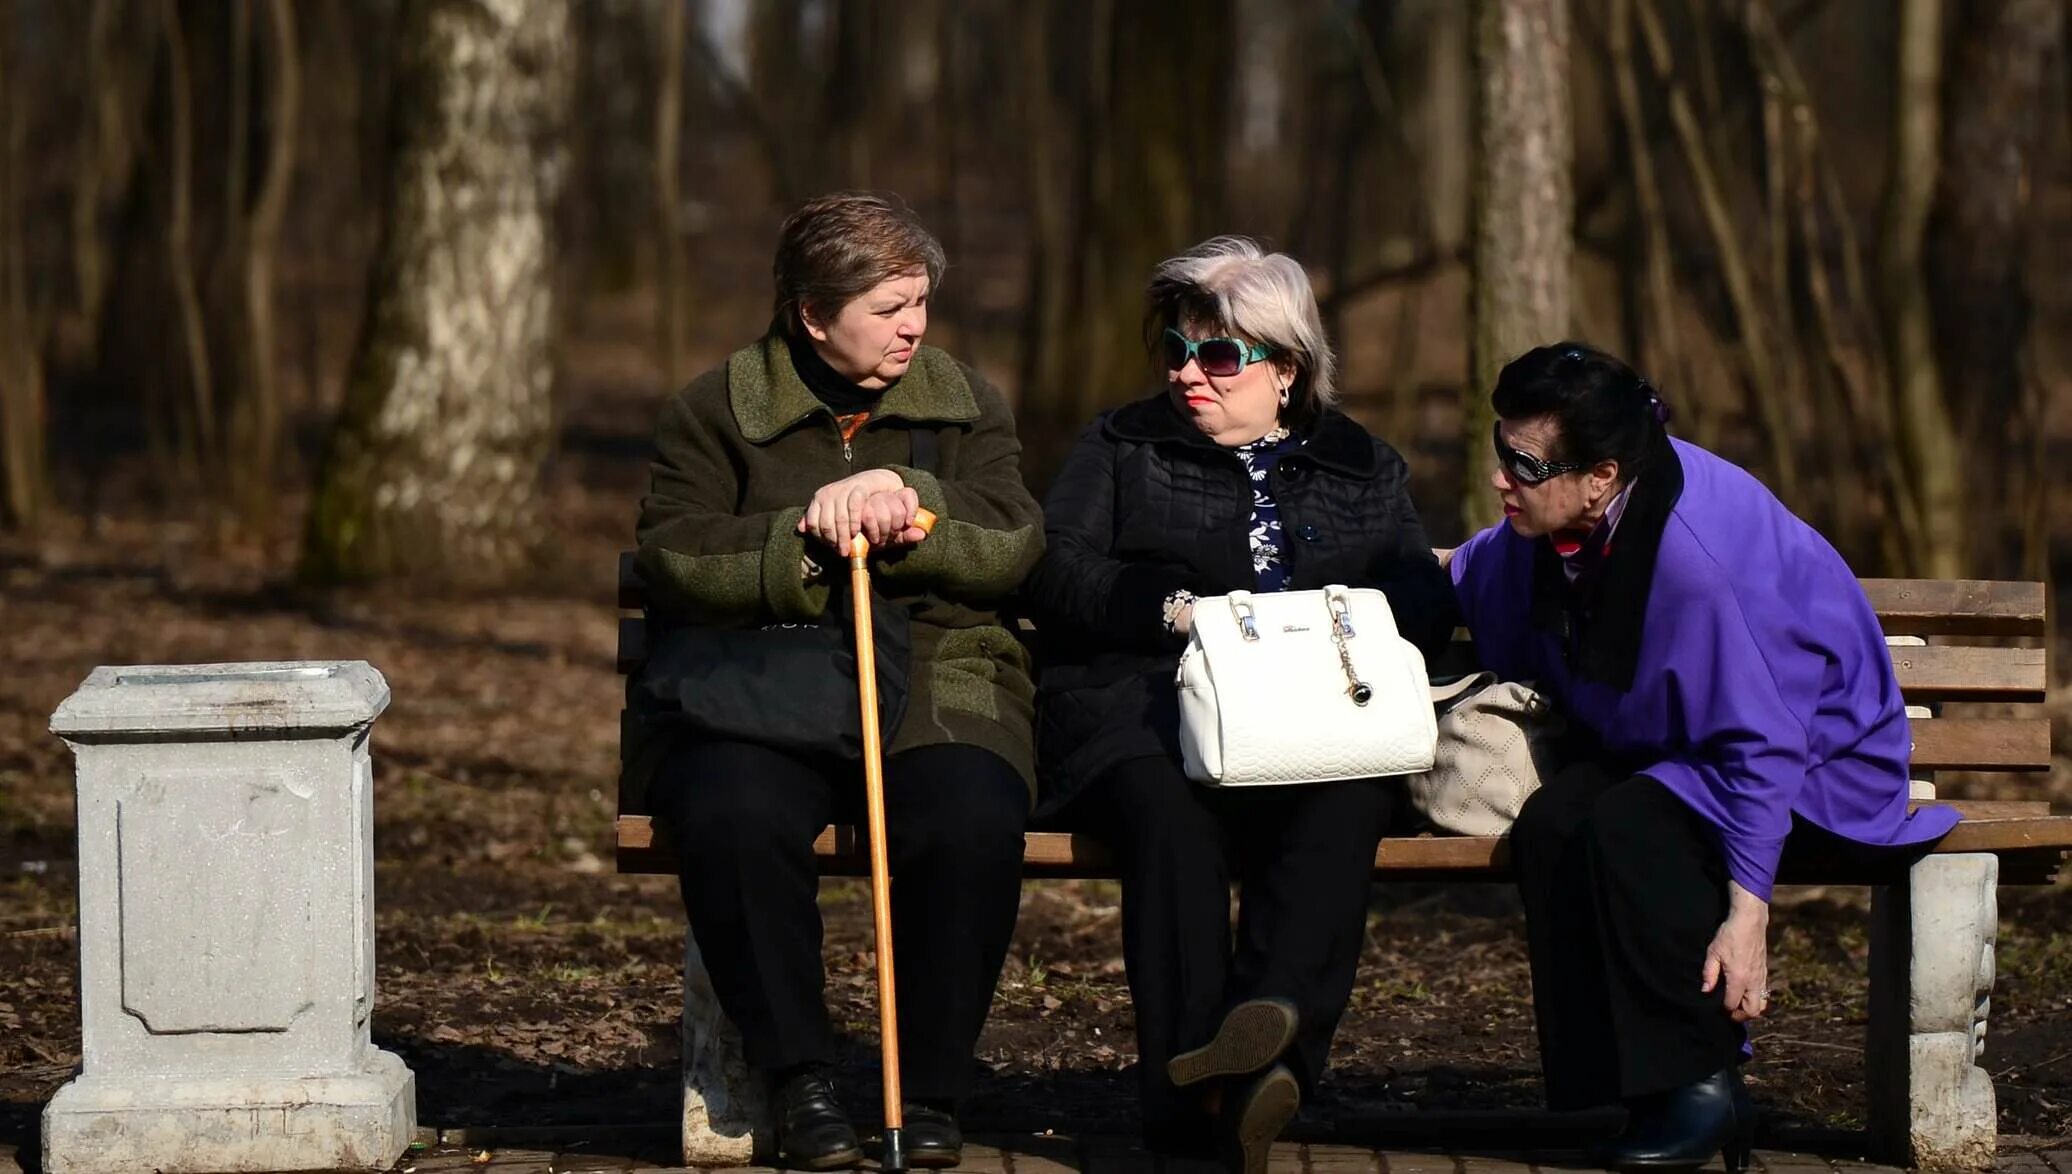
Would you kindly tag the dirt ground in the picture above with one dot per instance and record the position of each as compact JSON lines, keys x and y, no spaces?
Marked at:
{"x":525,"y":982}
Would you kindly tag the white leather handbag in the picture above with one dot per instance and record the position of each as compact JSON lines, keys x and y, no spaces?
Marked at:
{"x":1301,"y":687}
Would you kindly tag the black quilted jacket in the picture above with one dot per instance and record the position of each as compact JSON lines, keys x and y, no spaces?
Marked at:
{"x":1146,"y":504}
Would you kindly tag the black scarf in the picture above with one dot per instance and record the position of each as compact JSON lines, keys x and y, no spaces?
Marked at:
{"x":1599,"y":617}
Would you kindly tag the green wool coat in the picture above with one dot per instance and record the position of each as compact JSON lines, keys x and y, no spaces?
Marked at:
{"x":739,"y":453}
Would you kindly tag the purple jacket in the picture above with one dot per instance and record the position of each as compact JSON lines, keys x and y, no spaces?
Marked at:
{"x":1725,"y":649}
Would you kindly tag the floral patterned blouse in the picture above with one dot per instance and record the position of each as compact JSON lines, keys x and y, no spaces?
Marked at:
{"x":1269,"y":546}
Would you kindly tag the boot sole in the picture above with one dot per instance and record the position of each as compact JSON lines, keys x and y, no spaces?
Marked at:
{"x":1273,"y":1103}
{"x":1252,"y":1036}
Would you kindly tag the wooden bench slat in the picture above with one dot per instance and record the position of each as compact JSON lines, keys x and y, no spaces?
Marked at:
{"x":2011,"y":744}
{"x":632,"y":591}
{"x":1926,"y":674}
{"x":1955,"y":672}
{"x":632,"y":645}
{"x":1957,"y":607}
{"x":2001,"y":826}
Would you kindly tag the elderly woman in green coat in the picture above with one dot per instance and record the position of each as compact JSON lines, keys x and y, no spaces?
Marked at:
{"x":839,"y":422}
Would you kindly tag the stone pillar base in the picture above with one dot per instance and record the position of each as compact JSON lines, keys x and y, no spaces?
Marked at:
{"x":726,"y":1117}
{"x":178,"y":1125}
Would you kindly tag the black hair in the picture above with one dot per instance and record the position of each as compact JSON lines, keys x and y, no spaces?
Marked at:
{"x":1606,"y":410}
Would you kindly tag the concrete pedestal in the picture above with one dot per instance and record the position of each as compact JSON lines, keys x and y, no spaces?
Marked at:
{"x":226,"y":925}
{"x":726,"y":1116}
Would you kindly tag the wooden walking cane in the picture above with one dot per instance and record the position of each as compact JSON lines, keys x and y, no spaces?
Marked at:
{"x":894,"y":1157}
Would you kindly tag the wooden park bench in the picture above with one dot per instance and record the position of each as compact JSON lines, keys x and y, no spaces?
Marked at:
{"x":1931,"y":966}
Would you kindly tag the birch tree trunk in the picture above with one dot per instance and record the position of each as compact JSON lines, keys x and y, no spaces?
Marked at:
{"x":1929,"y":456}
{"x":1524,"y":203}
{"x":434,"y":466}
{"x":1979,"y":237}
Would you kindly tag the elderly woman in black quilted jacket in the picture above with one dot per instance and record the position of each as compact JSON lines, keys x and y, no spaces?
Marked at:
{"x":1238,"y":474}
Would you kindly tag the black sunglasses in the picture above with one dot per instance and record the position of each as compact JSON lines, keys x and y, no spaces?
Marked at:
{"x":1526,"y":469}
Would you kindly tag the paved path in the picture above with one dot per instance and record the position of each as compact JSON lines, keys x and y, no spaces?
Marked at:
{"x":1041,"y":1154}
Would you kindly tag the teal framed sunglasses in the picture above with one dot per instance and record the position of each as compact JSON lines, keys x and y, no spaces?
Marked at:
{"x":1220,"y":357}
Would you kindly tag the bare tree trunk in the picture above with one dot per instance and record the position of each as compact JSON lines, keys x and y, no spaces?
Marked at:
{"x":669,"y":266}
{"x":24,"y":434}
{"x":1840,"y":335}
{"x":1523,"y":209}
{"x":1661,"y":349}
{"x":950,"y":101}
{"x":851,"y":98}
{"x":1979,"y":234}
{"x":1054,"y":108}
{"x":256,"y":422}
{"x":1766,"y":389}
{"x":434,"y":467}
{"x":103,"y":168}
{"x":199,"y":452}
{"x":1439,"y":114}
{"x":782,"y":106}
{"x":1157,"y":180}
{"x":1929,"y":457}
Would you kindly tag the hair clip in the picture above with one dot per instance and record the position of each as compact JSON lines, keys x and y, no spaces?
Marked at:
{"x":1655,"y":405}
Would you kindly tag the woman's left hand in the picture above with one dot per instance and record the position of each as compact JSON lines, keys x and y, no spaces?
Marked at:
{"x":1739,"y":956}
{"x":889,"y":519}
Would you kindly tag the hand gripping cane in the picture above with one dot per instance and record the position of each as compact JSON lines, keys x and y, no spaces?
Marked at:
{"x":894,"y":1157}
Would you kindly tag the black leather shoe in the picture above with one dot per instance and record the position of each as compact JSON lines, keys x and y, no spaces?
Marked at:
{"x":1683,"y":1128}
{"x":931,"y":1137}
{"x":1253,"y":1035}
{"x":812,"y":1131}
{"x":1255,"y":1115}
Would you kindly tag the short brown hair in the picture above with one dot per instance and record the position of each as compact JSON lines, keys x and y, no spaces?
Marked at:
{"x":836,"y":247}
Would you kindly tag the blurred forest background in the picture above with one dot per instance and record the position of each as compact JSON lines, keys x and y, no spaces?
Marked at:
{"x":346,"y":273}
{"x":338,"y":329}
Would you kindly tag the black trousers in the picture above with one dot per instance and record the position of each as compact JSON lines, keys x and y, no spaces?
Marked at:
{"x":1303,"y":859}
{"x":1624,"y":887}
{"x":744,"y":818}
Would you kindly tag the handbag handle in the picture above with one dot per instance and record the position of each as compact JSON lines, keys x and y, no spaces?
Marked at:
{"x":1246,"y":615}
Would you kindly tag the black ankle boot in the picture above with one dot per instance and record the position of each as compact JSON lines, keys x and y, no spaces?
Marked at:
{"x":812,"y":1131}
{"x":1683,"y":1128}
{"x":931,"y":1135}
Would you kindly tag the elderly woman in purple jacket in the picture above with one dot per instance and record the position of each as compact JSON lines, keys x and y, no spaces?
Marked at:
{"x":1735,"y":709}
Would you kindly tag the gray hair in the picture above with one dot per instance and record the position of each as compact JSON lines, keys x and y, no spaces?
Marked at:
{"x":1230,"y":283}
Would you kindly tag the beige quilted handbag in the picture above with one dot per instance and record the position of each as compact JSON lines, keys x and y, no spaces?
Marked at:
{"x":1301,"y":687}
{"x":1496,"y":742}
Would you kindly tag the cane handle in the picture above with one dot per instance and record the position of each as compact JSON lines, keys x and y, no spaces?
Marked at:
{"x":924,"y":520}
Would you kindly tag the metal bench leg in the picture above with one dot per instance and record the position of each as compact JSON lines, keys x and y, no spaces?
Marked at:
{"x":1931,"y":1105}
{"x":726,"y":1120}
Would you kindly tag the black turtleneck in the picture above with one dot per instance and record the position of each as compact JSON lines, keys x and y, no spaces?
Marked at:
{"x":842,"y":396}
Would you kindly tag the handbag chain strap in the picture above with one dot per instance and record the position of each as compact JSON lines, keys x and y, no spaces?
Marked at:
{"x":1341,"y":631}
